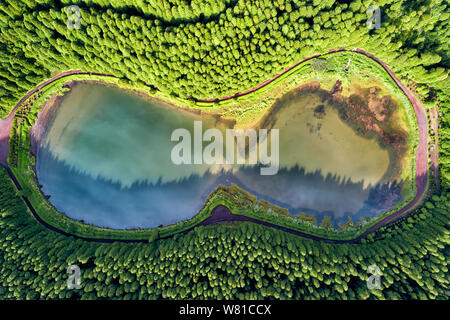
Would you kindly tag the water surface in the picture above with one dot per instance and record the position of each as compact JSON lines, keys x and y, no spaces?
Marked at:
{"x":104,"y":158}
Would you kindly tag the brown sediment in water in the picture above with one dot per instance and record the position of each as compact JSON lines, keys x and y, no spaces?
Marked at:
{"x":267,"y":120}
{"x":372,"y":115}
{"x":369,"y":114}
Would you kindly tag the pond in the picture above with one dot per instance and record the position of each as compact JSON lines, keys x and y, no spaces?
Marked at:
{"x":104,"y":158}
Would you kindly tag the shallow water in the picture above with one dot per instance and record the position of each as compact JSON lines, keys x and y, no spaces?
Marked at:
{"x":104,"y":158}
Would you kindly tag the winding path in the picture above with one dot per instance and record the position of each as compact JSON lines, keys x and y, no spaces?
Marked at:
{"x":6,"y":123}
{"x":222,"y":213}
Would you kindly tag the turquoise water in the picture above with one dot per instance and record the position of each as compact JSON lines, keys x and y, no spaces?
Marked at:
{"x":104,"y":159}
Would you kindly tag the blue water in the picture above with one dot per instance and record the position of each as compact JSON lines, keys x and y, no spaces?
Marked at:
{"x":104,"y":159}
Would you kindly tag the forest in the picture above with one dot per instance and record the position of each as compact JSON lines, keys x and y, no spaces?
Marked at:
{"x":209,"y":49}
{"x":244,"y":261}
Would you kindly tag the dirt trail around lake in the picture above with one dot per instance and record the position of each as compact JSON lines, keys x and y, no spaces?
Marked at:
{"x":6,"y":123}
{"x":223,"y":213}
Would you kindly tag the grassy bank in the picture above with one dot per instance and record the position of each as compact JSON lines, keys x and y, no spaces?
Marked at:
{"x":247,"y":110}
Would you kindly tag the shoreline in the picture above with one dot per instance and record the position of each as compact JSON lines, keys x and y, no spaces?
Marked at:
{"x":153,"y":99}
{"x":421,"y":152}
{"x":45,"y":116}
{"x":328,"y":97}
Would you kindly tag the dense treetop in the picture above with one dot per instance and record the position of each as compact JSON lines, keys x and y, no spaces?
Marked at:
{"x":239,"y":47}
{"x":241,"y":261}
